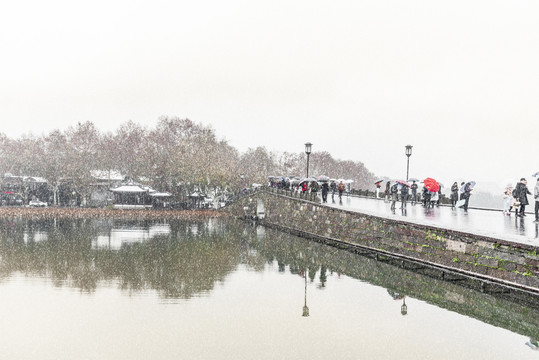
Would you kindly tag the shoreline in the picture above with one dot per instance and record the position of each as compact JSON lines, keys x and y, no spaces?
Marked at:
{"x":92,"y":213}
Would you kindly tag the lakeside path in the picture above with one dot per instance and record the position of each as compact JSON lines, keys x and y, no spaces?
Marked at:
{"x":90,"y":213}
{"x":476,"y":221}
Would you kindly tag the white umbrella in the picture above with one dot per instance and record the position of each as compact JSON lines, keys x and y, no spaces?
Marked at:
{"x":472,"y":184}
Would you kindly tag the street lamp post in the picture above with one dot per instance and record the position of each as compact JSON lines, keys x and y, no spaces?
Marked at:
{"x":305,"y":307}
{"x":308,"y":147}
{"x":408,"y":154}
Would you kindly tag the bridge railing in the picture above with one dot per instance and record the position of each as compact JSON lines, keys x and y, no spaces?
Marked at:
{"x":309,"y":196}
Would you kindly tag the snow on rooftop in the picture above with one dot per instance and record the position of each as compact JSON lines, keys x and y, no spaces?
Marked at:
{"x":107,"y":175}
{"x":129,"y":188}
{"x":160,"y":194}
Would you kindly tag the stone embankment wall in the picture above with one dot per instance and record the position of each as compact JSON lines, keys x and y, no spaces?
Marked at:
{"x":495,"y":259}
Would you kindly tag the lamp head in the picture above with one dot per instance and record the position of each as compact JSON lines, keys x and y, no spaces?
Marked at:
{"x":408,"y":150}
{"x":308,"y":147}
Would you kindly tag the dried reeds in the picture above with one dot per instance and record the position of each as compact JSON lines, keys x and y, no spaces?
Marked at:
{"x":89,"y":213}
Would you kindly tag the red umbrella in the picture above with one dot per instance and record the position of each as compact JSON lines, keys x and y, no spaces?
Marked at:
{"x":431,"y":185}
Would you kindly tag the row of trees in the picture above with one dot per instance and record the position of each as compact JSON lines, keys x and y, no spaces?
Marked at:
{"x":175,"y":153}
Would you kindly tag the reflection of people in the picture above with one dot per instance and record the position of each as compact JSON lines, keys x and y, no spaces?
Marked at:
{"x":522,"y":227}
{"x":533,"y":344}
{"x":395,"y":295}
{"x":323,"y":276}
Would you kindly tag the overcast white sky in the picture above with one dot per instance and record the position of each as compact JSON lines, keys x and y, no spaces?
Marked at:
{"x":458,"y":80}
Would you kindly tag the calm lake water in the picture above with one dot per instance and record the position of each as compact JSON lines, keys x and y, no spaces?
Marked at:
{"x":218,"y":289}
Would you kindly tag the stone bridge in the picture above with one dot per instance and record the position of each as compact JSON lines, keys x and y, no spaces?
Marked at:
{"x":456,"y":254}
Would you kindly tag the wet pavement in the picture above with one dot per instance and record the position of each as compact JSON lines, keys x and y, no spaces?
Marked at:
{"x":490,"y":223}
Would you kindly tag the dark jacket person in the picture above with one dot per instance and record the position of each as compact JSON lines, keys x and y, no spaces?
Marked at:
{"x":521,"y":194}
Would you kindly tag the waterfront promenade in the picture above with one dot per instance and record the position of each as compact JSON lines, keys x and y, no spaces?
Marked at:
{"x":491,"y":223}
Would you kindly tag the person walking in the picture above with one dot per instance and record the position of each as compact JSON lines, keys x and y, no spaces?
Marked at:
{"x":467,"y":193}
{"x":507,"y":197}
{"x":521,"y":194}
{"x":404,"y":195}
{"x":394,"y":195}
{"x":536,"y":197}
{"x":462,"y":191}
{"x":325,"y":190}
{"x":433,"y":198}
{"x":314,"y":190}
{"x":413,"y":187}
{"x":439,"y":196}
{"x":426,"y":197}
{"x":340,"y":188}
{"x":454,"y":194}
{"x":378,"y":186}
{"x":333,"y":187}
{"x":387,"y":192}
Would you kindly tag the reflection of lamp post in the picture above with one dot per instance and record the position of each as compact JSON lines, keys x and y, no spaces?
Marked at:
{"x":308,"y":147}
{"x":404,"y":308}
{"x":305,"y":308}
{"x":408,"y":154}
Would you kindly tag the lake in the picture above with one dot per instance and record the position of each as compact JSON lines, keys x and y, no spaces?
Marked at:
{"x":222,"y":289}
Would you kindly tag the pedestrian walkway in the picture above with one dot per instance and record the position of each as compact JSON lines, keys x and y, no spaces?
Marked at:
{"x":476,"y":221}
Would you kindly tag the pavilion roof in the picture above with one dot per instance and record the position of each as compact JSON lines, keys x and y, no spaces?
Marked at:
{"x":129,"y":188}
{"x":160,"y":194}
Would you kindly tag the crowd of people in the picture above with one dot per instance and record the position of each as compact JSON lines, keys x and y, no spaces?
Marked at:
{"x":430,"y":196}
{"x":323,"y":185}
{"x":513,"y":198}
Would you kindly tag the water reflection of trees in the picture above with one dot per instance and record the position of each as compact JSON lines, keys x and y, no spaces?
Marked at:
{"x":188,"y":261}
{"x":190,"y":258}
